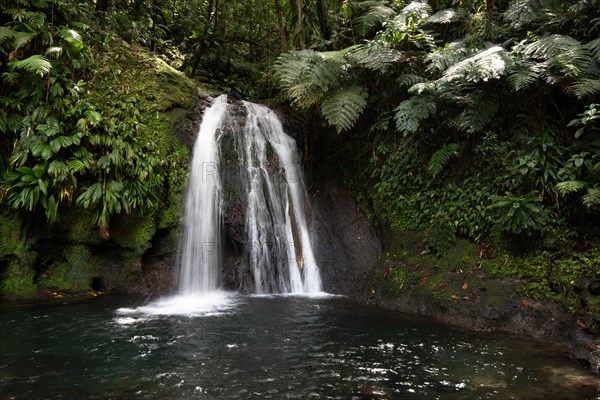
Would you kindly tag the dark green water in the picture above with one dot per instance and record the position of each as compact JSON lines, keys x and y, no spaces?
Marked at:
{"x":267,"y":348}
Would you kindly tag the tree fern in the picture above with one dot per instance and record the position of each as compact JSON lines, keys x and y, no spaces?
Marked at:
{"x":411,"y":112}
{"x":483,"y":66}
{"x":306,"y":76}
{"x":480,"y":108}
{"x":343,"y":107}
{"x":411,"y":80}
{"x":441,"y":59}
{"x":440,"y":158}
{"x":524,"y":74}
{"x":375,"y":56}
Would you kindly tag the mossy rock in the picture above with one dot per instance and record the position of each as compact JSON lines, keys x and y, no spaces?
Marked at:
{"x":75,"y":274}
{"x":12,"y":240}
{"x":133,"y":233}
{"x":81,"y":228}
{"x":18,"y":281}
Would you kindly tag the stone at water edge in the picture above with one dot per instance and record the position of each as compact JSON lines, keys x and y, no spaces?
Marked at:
{"x":581,"y":284}
{"x":594,"y":287}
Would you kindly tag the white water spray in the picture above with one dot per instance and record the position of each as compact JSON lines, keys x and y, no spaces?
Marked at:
{"x":279,"y":242}
{"x":200,"y":261}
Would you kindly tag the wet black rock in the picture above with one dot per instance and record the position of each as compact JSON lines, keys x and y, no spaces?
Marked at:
{"x":594,"y":287}
{"x":347,"y":246}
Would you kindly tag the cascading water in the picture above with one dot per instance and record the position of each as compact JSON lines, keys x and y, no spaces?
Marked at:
{"x":200,"y":259}
{"x":278,"y":237}
{"x":278,"y":242}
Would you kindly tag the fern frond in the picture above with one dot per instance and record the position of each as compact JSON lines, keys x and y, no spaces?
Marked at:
{"x":586,"y":87}
{"x":411,"y":80}
{"x":594,"y":47}
{"x":480,"y":110}
{"x":6,"y":33}
{"x":524,"y":12}
{"x":441,"y":59}
{"x":419,"y":88}
{"x":567,"y":187}
{"x":34,"y":64}
{"x":440,"y":158}
{"x":22,"y":39}
{"x":562,"y":53}
{"x":446,"y":16}
{"x":342,"y":107}
{"x":592,"y":197}
{"x":375,"y":56}
{"x":488,"y":64}
{"x":377,"y":13}
{"x":411,"y":112}
{"x":523,"y":75}
{"x":551,"y":46}
{"x":36,"y":19}
{"x":306,"y":75}
{"x":54,"y":51}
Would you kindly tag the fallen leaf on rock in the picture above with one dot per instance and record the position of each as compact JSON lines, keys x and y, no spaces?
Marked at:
{"x":525,"y":303}
{"x":582,"y":324}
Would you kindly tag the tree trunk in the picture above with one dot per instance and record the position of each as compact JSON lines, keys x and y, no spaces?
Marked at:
{"x":322,"y":17}
{"x":299,"y":28}
{"x":282,"y":35}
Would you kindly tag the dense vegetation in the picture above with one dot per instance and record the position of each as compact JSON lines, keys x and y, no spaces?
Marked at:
{"x":471,"y":118}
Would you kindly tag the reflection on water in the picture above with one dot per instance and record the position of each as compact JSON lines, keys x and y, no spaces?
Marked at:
{"x":235,"y":347}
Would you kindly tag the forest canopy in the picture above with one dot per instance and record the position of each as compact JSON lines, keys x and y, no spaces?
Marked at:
{"x":466,"y":117}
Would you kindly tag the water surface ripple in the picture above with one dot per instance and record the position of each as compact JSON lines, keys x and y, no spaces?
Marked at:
{"x":269,"y":347}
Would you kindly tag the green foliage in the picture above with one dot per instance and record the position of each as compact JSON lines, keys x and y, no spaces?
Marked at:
{"x":519,"y":214}
{"x":440,"y":158}
{"x":343,"y":107}
{"x":74,"y":274}
{"x":410,"y":113}
{"x":18,"y":281}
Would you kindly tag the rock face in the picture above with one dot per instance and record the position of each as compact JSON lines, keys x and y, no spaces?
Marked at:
{"x":347,"y":246}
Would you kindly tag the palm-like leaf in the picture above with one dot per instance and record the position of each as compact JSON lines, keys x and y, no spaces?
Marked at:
{"x":567,"y":187}
{"x":343,"y":107}
{"x":35,"y":64}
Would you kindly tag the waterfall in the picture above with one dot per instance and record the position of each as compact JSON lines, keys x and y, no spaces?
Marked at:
{"x":278,"y":243}
{"x":278,"y":237}
{"x":200,"y":258}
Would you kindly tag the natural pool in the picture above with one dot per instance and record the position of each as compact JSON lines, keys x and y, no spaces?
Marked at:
{"x":277,"y":347}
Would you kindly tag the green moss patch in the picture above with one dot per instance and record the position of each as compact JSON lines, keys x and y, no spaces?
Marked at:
{"x":75,"y":274}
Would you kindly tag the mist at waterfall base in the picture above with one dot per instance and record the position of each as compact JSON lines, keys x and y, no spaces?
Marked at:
{"x":279,"y":241}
